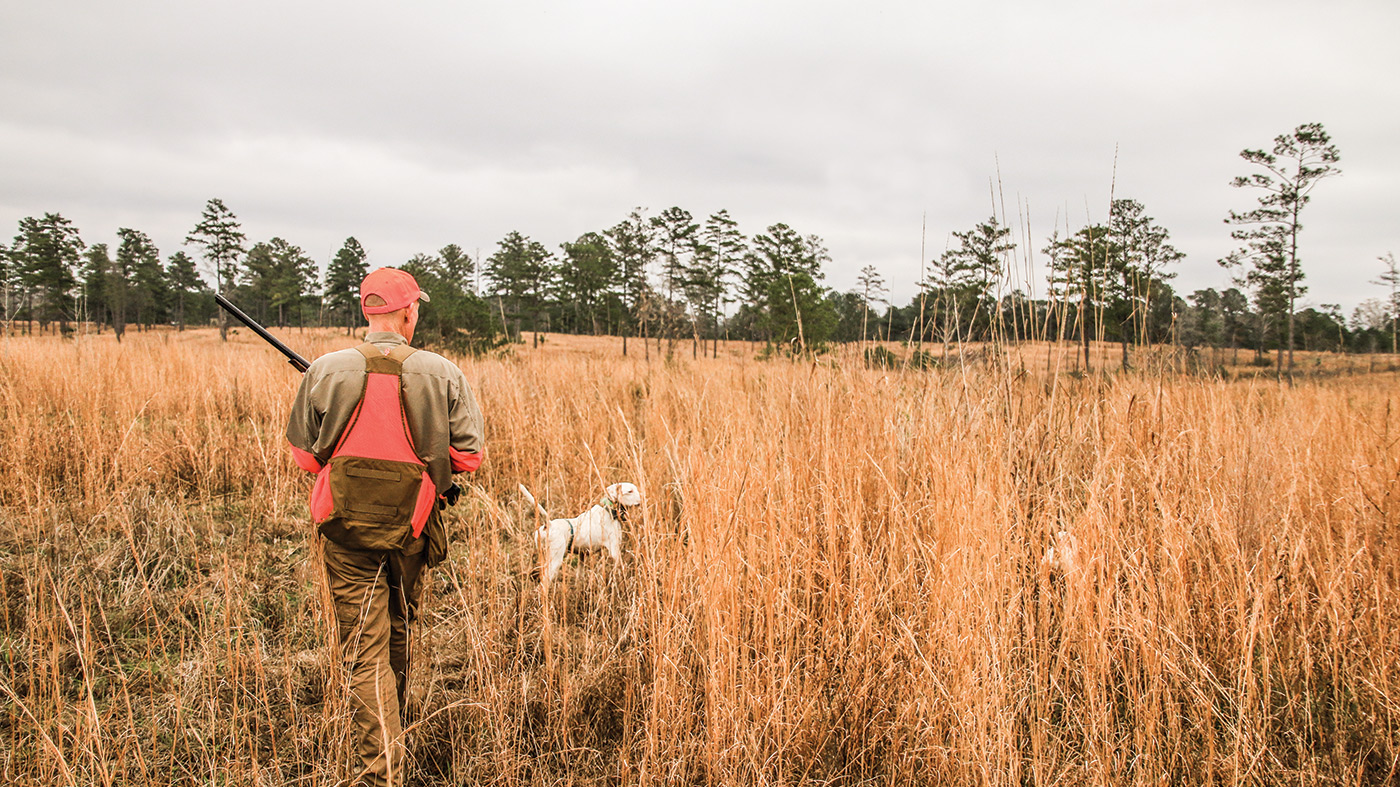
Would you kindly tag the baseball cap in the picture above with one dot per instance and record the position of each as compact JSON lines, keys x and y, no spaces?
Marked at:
{"x":387,"y":290}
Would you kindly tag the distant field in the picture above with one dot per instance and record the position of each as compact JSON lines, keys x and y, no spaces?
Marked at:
{"x":837,"y":577}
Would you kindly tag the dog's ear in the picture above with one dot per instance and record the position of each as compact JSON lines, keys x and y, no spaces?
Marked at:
{"x":611,"y":492}
{"x":626,"y":494}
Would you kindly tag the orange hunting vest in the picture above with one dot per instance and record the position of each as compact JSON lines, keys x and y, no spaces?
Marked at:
{"x":375,"y":492}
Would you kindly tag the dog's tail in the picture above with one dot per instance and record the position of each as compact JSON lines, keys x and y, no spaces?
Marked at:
{"x":544,"y":514}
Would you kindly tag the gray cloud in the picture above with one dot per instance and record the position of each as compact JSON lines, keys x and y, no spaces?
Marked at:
{"x":420,"y":124}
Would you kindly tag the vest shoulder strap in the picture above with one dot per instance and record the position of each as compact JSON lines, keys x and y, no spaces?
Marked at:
{"x":401,"y":352}
{"x":377,"y":362}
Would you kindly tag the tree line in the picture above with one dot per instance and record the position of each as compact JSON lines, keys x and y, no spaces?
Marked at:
{"x":675,"y":277}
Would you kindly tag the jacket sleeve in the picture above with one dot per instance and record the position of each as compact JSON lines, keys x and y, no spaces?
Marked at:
{"x":306,"y":460}
{"x":304,"y":424}
{"x":467,"y":444}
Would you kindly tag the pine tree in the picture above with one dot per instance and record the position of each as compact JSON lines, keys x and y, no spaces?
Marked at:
{"x":456,"y":267}
{"x":296,"y":281}
{"x":945,"y":286}
{"x":1270,"y":232}
{"x":1207,"y":320}
{"x":981,"y":254}
{"x":872,"y":290}
{"x":1234,"y":319}
{"x":1081,"y":270}
{"x":972,"y":272}
{"x":1143,"y":252}
{"x":586,"y":269}
{"x":343,"y":276}
{"x":775,"y":253}
{"x":675,"y":237}
{"x":257,"y":279}
{"x":633,"y":247}
{"x":97,"y":265}
{"x":675,"y":242}
{"x":45,"y":252}
{"x":455,"y":318}
{"x":718,"y":253}
{"x":141,"y":259}
{"x":280,"y":278}
{"x":781,"y":272}
{"x":222,"y":238}
{"x":119,"y":290}
{"x":521,"y":269}
{"x":184,"y":280}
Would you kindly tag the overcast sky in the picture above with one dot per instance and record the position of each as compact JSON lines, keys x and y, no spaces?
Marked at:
{"x":416,"y":124}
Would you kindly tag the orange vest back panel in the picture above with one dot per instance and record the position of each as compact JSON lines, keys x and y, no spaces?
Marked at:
{"x":375,"y":491}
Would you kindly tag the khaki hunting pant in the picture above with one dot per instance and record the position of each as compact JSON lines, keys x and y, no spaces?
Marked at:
{"x":376,"y":596}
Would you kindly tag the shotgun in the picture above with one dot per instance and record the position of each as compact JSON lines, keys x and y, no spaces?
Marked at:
{"x":299,"y":363}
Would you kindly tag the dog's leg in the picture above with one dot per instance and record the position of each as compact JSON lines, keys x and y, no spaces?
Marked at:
{"x":552,"y":569}
{"x":547,"y":564}
{"x":554,"y":548}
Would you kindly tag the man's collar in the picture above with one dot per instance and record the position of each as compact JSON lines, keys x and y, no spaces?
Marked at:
{"x":384,"y":337}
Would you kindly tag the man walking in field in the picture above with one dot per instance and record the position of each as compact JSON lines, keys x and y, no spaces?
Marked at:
{"x":383,"y":426}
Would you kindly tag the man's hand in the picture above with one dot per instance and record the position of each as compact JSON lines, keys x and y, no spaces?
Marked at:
{"x":449,"y":498}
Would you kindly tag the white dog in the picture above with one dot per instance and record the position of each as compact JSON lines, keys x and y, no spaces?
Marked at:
{"x":598,"y":528}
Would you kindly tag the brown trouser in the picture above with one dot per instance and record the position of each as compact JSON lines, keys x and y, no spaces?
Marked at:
{"x":376,"y":595}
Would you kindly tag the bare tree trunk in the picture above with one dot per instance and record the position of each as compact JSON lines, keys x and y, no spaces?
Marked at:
{"x":1290,"y":335}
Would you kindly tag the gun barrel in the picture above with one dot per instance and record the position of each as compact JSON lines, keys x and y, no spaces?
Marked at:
{"x":297,"y":362}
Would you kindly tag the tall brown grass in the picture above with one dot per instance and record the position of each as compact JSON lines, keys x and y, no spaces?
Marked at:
{"x":836,"y":578}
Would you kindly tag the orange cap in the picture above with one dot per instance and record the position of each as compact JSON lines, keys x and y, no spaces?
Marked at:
{"x":394,"y":287}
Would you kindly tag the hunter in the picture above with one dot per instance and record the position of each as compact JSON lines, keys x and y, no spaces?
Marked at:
{"x":383,"y":426}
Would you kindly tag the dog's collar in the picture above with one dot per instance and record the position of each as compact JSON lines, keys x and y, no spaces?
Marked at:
{"x":619,"y":512}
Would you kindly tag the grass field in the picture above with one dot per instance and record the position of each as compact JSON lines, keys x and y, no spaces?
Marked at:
{"x":836,"y":578}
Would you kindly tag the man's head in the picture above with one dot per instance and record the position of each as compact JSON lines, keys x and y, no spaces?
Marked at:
{"x":389,"y":299}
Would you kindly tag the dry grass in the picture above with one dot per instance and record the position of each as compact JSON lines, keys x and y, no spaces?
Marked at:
{"x":837,"y":577}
